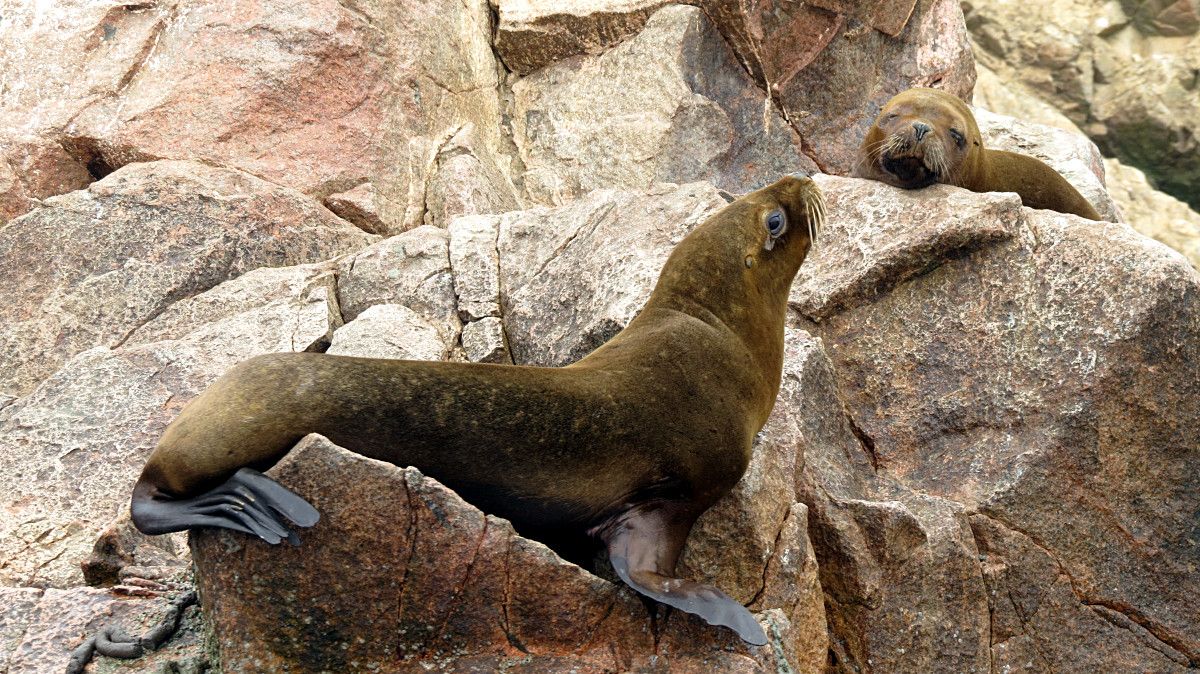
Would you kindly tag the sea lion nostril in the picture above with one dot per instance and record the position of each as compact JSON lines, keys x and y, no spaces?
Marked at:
{"x":921,"y":128}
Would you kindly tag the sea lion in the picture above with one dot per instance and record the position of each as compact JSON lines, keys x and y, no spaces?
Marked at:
{"x":629,"y":445}
{"x":926,"y":136}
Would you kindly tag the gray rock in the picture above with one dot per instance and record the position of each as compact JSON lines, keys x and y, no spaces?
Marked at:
{"x":390,"y":331}
{"x":671,"y":104}
{"x":571,"y":277}
{"x":484,"y":341}
{"x":89,"y":268}
{"x":411,"y":269}
{"x":476,"y":266}
{"x":75,"y":445}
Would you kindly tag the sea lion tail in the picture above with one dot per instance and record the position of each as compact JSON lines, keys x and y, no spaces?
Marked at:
{"x":248,"y":501}
{"x":643,"y":545}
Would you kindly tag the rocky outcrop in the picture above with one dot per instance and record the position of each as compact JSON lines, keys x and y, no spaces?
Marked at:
{"x":438,"y":583}
{"x":1123,"y":71}
{"x":983,"y":454}
{"x":671,"y":104}
{"x":1010,"y":403}
{"x":1157,"y":215}
{"x":90,"y":268}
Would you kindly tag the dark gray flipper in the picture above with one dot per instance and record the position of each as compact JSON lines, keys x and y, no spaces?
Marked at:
{"x":643,"y":546}
{"x":248,"y":501}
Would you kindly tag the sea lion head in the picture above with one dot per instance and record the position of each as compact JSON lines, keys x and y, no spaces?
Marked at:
{"x":921,"y":137}
{"x":739,"y":264}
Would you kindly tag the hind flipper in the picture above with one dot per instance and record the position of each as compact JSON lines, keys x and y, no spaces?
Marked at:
{"x":248,"y":501}
{"x":643,"y":546}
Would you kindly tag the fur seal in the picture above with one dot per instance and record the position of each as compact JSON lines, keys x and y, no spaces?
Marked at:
{"x":629,"y":445}
{"x":926,"y":136}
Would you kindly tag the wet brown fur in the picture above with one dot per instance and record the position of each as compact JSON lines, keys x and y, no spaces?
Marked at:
{"x":939,"y":158}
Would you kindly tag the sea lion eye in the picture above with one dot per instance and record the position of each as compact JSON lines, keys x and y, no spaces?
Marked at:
{"x":959,"y":139}
{"x":776,"y":223}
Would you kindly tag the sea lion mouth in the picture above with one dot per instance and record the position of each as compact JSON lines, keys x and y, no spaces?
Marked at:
{"x":910,"y":172}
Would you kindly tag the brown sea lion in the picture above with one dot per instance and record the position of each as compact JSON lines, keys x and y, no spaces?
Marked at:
{"x":926,"y":136}
{"x":629,"y":445}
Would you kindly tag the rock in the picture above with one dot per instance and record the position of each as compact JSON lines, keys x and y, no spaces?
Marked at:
{"x":1027,"y":380}
{"x":467,"y":181}
{"x":1071,"y":154}
{"x":536,"y":33}
{"x":833,"y":100}
{"x":411,"y":269}
{"x":122,"y":552}
{"x":32,"y":169}
{"x":484,"y":341}
{"x":75,"y":445}
{"x":1038,"y":615}
{"x":1163,"y":17}
{"x":91,"y":267}
{"x":1148,"y":111}
{"x":773,"y":40}
{"x":390,"y":331}
{"x":1090,"y":61}
{"x":1153,"y":213}
{"x":1014,"y":99}
{"x":290,"y":93}
{"x":357,"y":206}
{"x":442,"y":586}
{"x":40,"y":628}
{"x":881,"y":237}
{"x":448,"y":81}
{"x":885,"y":16}
{"x":476,"y":266}
{"x":571,"y":277}
{"x":671,"y":104}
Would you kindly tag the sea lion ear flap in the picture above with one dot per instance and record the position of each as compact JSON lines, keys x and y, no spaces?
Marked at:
{"x":643,"y":545}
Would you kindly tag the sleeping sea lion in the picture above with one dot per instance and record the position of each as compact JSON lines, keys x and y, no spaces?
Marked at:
{"x":629,"y":445}
{"x":926,"y":136}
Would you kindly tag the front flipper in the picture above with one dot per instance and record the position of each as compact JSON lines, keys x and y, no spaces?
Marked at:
{"x":643,"y":546}
{"x":248,"y":501}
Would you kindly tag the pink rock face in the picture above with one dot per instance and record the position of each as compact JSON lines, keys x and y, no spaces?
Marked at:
{"x":835,"y":98}
{"x":886,"y":16}
{"x":290,"y":92}
{"x":32,"y":169}
{"x":401,"y":575}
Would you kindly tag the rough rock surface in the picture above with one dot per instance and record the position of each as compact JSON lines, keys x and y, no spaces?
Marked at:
{"x":1155,"y":214}
{"x":32,"y":169}
{"x":436,"y":583}
{"x":75,"y":445}
{"x":1123,"y":71}
{"x":40,"y":628}
{"x":91,"y":267}
{"x":833,"y":100}
{"x":571,"y":277}
{"x":1008,"y":382}
{"x":531,"y":34}
{"x":390,"y":331}
{"x":669,"y":105}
